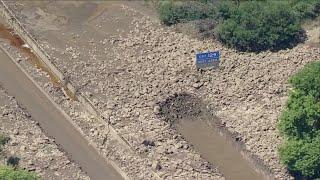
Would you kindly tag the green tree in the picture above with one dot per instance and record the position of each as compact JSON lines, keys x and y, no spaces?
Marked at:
{"x":258,"y":26}
{"x":306,"y":9}
{"x":302,"y":157}
{"x":225,"y":9}
{"x":173,"y":12}
{"x":301,"y":118}
{"x":300,"y":124}
{"x":307,"y":80}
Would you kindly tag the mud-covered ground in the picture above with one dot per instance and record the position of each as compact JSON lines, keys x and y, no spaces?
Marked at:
{"x":36,"y":151}
{"x":199,"y":125}
{"x":127,"y":63}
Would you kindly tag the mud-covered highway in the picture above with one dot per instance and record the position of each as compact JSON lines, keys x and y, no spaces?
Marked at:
{"x":53,"y":122}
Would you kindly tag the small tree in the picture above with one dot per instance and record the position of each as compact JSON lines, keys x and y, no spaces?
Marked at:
{"x":302,"y":157}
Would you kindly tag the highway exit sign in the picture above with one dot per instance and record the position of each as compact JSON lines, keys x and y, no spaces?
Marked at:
{"x":208,"y":60}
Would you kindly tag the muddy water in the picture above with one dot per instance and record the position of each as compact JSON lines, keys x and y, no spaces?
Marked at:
{"x":215,"y":149}
{"x":196,"y":121}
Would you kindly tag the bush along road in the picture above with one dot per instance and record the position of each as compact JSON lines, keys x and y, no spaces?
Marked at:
{"x":300,"y":124}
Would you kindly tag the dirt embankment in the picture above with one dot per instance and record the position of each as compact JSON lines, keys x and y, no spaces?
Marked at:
{"x":127,"y":75}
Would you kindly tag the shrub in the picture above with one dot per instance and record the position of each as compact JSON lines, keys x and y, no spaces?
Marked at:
{"x":225,"y":9}
{"x":258,"y":26}
{"x":302,"y":157}
{"x":301,"y":119}
{"x":9,"y":173}
{"x":245,"y":25}
{"x":172,"y":12}
{"x":300,"y":124}
{"x":307,"y":80}
{"x":306,"y":9}
{"x":13,"y":161}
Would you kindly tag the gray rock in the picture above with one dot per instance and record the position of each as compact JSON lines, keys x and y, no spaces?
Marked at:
{"x":197,"y":85}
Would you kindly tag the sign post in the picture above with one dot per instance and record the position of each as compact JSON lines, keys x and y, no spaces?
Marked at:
{"x":208,"y":60}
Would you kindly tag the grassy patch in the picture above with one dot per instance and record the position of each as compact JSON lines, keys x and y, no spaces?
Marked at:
{"x":10,"y":173}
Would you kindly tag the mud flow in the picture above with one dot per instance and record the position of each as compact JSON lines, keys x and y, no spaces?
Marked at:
{"x":195,"y":122}
{"x":7,"y":34}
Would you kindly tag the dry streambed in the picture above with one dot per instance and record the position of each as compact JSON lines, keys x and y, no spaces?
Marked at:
{"x":127,"y":76}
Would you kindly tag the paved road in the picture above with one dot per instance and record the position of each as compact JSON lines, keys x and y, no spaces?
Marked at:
{"x":53,"y":122}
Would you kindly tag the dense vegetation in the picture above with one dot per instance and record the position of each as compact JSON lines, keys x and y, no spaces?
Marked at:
{"x":174,"y":12}
{"x":246,"y":25}
{"x":300,"y":124}
{"x":256,"y":26}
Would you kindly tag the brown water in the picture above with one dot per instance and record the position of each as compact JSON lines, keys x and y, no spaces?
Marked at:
{"x":216,"y":149}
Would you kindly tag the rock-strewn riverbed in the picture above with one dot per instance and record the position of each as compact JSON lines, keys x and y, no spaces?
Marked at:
{"x":127,"y":73}
{"x":36,"y":151}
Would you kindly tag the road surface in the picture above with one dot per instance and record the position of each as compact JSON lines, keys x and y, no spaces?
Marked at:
{"x":53,"y":122}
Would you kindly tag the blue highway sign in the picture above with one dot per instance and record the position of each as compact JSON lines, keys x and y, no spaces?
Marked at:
{"x":207,"y":59}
